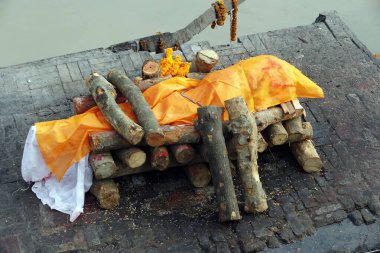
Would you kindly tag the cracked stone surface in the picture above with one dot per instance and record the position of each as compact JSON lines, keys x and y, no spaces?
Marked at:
{"x":160,"y":211}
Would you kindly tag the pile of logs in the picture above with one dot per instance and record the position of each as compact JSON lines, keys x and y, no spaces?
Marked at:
{"x":204,"y":150}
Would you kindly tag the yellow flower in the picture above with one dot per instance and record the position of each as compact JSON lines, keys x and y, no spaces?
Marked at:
{"x":174,"y":67}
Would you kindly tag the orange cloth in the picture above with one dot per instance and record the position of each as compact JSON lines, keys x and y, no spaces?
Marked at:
{"x":263,"y":81}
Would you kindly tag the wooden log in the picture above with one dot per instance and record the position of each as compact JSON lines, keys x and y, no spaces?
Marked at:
{"x":132,"y":157}
{"x":262,"y":144}
{"x":102,"y":165}
{"x":277,"y":134}
{"x":274,"y":115}
{"x":307,"y":156}
{"x":198,"y":174}
{"x":195,"y":75}
{"x":146,"y":84}
{"x":104,"y":95}
{"x":205,"y":60}
{"x":183,"y":153}
{"x":245,"y":135}
{"x":106,"y":192}
{"x":159,"y":158}
{"x":124,"y":170}
{"x":294,"y":127}
{"x":84,"y":103}
{"x":151,"y":69}
{"x":210,"y":127}
{"x":153,"y":134}
{"x":106,"y":141}
{"x":231,"y":149}
{"x":298,"y":130}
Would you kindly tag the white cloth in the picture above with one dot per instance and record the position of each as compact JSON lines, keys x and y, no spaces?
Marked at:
{"x":66,"y":196}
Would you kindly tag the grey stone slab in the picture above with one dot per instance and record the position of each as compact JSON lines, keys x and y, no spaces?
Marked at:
{"x":136,"y":60}
{"x":47,"y":96}
{"x":85,"y":68}
{"x":74,"y":70}
{"x":64,"y":73}
{"x":75,"y":89}
{"x":127,"y":63}
{"x":40,"y":80}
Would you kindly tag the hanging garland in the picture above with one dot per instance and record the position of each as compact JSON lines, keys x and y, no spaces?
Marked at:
{"x":234,"y":20}
{"x":220,"y":13}
{"x":221,"y":16}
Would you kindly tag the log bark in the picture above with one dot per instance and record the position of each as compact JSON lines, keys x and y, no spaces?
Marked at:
{"x":307,"y":156}
{"x":198,"y":174}
{"x":84,"y":103}
{"x":183,"y":153}
{"x":132,"y":157}
{"x":104,"y":95}
{"x":210,"y":127}
{"x":294,"y":127}
{"x":205,"y":60}
{"x":106,"y":141}
{"x":151,"y":69}
{"x":262,"y":144}
{"x":274,"y":115}
{"x":196,"y":75}
{"x":124,"y":170}
{"x":153,"y":134}
{"x":146,"y":84}
{"x":277,"y":134}
{"x":159,"y":158}
{"x":245,"y":135}
{"x":106,"y":192}
{"x":298,"y":130}
{"x":102,"y":165}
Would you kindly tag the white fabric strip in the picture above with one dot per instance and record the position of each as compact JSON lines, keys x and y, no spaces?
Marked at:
{"x":66,"y":196}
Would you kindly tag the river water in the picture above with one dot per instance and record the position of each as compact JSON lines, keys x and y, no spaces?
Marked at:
{"x":32,"y":30}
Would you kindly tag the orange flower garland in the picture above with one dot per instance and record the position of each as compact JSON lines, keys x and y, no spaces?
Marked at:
{"x":220,"y":13}
{"x":174,"y":67}
{"x":234,"y":20}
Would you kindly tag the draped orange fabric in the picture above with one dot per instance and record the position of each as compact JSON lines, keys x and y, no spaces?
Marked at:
{"x":263,"y":81}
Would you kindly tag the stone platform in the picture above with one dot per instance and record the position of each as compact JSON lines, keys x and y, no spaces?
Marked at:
{"x":160,"y":212}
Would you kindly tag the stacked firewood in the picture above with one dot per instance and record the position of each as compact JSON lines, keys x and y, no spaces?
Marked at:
{"x":204,"y":150}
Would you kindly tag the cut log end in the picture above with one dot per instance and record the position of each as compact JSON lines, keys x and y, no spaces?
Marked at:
{"x":159,"y":158}
{"x":151,"y":69}
{"x":183,"y":153}
{"x":205,"y":60}
{"x":107,"y":193}
{"x":198,"y":174}
{"x":102,"y":165}
{"x":155,"y":139}
{"x":307,"y":156}
{"x":132,"y":157}
{"x":277,"y":134}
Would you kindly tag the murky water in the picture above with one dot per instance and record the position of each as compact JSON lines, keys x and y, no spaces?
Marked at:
{"x":32,"y":30}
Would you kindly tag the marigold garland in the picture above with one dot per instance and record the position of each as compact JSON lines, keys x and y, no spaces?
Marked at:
{"x":234,"y":20}
{"x":174,"y":67}
{"x":220,"y":13}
